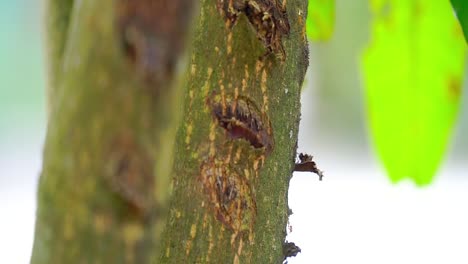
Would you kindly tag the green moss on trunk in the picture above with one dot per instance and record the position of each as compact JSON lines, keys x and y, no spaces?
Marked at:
{"x":107,"y":156}
{"x":109,"y":146}
{"x":212,"y":169}
{"x":57,"y":20}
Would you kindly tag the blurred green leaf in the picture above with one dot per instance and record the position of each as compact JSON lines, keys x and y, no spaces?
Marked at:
{"x":320,"y":19}
{"x":461,"y":8}
{"x":413,"y":72}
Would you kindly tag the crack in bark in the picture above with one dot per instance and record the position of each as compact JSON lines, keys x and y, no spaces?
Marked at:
{"x":268,"y":18}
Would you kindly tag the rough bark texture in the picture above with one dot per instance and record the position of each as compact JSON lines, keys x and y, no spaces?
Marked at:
{"x":57,"y":20}
{"x":105,"y":179}
{"x":230,"y":197}
{"x":110,"y":141}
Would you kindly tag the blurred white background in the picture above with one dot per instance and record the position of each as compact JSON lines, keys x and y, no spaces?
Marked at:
{"x":355,"y":215}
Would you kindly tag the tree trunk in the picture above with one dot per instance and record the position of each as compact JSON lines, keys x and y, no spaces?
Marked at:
{"x":104,"y":188}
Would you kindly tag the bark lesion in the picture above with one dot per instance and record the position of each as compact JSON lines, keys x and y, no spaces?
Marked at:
{"x":129,"y":172}
{"x":153,"y":36}
{"x":242,"y":119}
{"x":268,"y":18}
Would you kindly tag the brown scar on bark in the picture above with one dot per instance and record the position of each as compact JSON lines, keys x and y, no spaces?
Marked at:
{"x":230,"y":195}
{"x":153,"y":35}
{"x":241,"y":119}
{"x":268,"y":18}
{"x":129,"y":173}
{"x":306,"y":164}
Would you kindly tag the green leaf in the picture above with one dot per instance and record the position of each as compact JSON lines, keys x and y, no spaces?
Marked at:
{"x":461,"y":8}
{"x":320,"y":19}
{"x":413,"y":74}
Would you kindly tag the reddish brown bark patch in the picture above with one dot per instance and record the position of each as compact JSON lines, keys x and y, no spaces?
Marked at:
{"x":129,"y":172}
{"x":230,"y":195}
{"x":268,"y":18}
{"x":243,"y":120}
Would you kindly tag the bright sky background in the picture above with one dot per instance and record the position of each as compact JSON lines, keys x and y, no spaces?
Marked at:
{"x":355,"y":215}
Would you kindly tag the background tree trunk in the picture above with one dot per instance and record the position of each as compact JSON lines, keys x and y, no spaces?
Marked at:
{"x":108,"y":153}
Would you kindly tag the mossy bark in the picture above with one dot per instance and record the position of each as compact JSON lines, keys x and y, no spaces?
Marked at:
{"x":105,"y":177}
{"x":109,"y":146}
{"x":57,"y":20}
{"x":228,"y":63}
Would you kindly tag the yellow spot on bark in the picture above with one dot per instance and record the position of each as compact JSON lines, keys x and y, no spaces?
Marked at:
{"x":193,"y":69}
{"x":265,"y":103}
{"x":212,"y":137}
{"x":238,"y":155}
{"x":229,"y":43}
{"x":233,"y":238}
{"x":168,"y":252}
{"x":189,"y":134}
{"x":193,"y":231}
{"x":258,"y":67}
{"x":206,"y":86}
{"x":247,"y":173}
{"x":263,"y":86}
{"x":255,"y":165}
{"x":209,"y":71}
{"x":264,"y":80}
{"x":239,"y":249}
{"x":101,"y":223}
{"x":216,"y":49}
{"x":236,"y":93}
{"x":132,"y":232}
{"x":212,"y":134}
{"x":221,"y":89}
{"x":188,"y":247}
{"x":229,"y":154}
{"x":210,"y":244}
{"x":205,"y":218}
{"x":178,"y":214}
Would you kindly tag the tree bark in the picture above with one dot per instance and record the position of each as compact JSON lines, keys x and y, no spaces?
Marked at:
{"x":110,"y":142}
